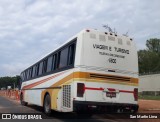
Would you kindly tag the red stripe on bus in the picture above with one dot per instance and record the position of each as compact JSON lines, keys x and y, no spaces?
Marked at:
{"x":126,"y":91}
{"x":41,"y":81}
{"x":109,"y":89}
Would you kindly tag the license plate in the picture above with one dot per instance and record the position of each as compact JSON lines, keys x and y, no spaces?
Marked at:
{"x":110,"y":94}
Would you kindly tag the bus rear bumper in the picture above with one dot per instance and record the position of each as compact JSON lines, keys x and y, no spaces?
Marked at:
{"x":103,"y":107}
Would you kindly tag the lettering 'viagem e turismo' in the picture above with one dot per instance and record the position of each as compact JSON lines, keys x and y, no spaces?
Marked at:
{"x":109,"y":48}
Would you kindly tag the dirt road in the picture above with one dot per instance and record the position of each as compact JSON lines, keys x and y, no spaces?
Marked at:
{"x":149,"y":106}
{"x":146,"y":106}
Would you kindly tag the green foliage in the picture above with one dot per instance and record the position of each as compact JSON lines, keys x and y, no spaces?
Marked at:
{"x":149,"y":59}
{"x":153,"y":45}
{"x":148,"y":97}
{"x":9,"y":81}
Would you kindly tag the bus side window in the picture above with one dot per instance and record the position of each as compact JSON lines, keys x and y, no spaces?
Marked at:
{"x":71,"y":54}
{"x":30,"y":73}
{"x":56,"y":61}
{"x":63,"y":58}
{"x":37,"y":70}
{"x":45,"y":65}
{"x":40,"y":68}
{"x":33,"y":72}
{"x":21,"y":76}
{"x":49,"y":63}
{"x":24,"y":75}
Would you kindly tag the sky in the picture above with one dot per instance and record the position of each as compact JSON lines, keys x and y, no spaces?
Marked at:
{"x":30,"y":29}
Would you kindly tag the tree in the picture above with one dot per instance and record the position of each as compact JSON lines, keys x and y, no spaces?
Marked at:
{"x":153,"y":45}
{"x":149,"y":59}
{"x":9,"y":81}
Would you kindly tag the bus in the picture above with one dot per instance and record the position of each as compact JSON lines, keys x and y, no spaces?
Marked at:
{"x":94,"y":71}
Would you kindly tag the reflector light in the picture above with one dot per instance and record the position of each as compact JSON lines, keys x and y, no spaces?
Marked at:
{"x":111,"y":89}
{"x":135,"y":94}
{"x":80,"y":89}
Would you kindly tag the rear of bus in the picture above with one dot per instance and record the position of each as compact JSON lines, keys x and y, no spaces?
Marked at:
{"x":106,"y":73}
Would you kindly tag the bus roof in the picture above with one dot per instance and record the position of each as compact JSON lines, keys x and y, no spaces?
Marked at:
{"x":73,"y":37}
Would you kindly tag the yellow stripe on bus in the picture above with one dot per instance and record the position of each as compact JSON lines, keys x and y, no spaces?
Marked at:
{"x":82,"y":76}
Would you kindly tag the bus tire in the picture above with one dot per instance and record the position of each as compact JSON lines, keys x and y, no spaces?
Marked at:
{"x":135,"y":111}
{"x":47,"y":105}
{"x":22,"y":101}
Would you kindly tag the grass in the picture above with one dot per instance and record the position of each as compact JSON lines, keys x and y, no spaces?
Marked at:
{"x":148,"y":97}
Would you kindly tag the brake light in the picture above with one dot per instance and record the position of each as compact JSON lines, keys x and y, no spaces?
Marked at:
{"x":80,"y":89}
{"x":135,"y":94}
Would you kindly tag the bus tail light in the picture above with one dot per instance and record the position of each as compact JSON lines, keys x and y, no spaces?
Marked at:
{"x":80,"y":89}
{"x":135,"y":94}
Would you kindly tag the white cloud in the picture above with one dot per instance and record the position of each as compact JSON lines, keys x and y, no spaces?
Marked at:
{"x":29,"y":29}
{"x":12,"y":69}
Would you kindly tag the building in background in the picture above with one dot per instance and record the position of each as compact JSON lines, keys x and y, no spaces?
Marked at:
{"x":149,"y":84}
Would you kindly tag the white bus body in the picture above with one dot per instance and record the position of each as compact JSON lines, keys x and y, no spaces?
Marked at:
{"x":101,"y":75}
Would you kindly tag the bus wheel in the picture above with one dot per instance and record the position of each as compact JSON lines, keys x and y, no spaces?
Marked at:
{"x":134,"y":111}
{"x":22,"y":102}
{"x":47,"y":105}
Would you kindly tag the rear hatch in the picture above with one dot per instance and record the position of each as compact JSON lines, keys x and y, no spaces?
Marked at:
{"x":112,"y":68}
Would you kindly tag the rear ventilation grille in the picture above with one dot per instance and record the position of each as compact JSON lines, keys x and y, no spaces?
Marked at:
{"x":67,"y":96}
{"x":93,"y":36}
{"x":128,"y":43}
{"x":111,"y":38}
{"x":120,"y":41}
{"x":108,"y":77}
{"x":102,"y":38}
